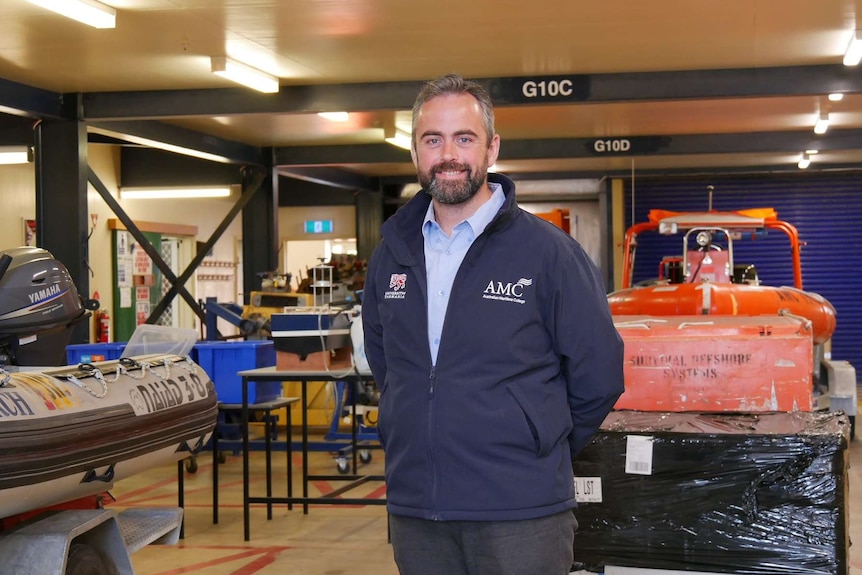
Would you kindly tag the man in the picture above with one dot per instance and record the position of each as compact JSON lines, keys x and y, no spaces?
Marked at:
{"x":488,"y":333}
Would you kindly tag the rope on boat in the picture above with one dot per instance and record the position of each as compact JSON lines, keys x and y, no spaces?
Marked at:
{"x":94,"y":372}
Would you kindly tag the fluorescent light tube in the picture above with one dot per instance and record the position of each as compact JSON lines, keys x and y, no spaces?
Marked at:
{"x":334,"y":116}
{"x":173,"y":193}
{"x":160,"y":145}
{"x":399,"y":138}
{"x":853,"y":54}
{"x":14,"y":155}
{"x":89,"y":12}
{"x":822,"y":123}
{"x":804,"y":162}
{"x":244,"y":74}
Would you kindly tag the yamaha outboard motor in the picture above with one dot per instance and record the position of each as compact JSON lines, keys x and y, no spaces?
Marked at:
{"x":39,"y":308}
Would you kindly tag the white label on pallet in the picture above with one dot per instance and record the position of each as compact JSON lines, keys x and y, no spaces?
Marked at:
{"x":639,"y":454}
{"x":588,"y":489}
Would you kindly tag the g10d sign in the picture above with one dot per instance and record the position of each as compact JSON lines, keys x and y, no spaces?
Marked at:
{"x":632,"y":146}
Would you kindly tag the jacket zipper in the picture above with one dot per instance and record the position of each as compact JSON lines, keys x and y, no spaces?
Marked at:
{"x":432,"y":379}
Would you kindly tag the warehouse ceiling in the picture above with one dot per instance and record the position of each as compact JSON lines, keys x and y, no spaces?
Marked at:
{"x":583,"y":88}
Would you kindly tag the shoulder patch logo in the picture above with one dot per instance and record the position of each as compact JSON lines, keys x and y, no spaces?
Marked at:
{"x":397,"y":287}
{"x":398,"y":281}
{"x":508,"y":291}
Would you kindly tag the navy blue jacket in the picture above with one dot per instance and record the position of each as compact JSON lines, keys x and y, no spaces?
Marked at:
{"x":529,"y":365}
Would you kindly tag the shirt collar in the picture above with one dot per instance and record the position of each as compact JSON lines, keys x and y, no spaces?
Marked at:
{"x":480,"y":218}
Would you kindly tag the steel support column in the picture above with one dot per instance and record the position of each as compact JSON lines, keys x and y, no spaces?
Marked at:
{"x":260,"y":243}
{"x":61,"y":201}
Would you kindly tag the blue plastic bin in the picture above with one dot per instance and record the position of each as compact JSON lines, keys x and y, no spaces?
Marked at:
{"x":223,"y":359}
{"x":90,"y":352}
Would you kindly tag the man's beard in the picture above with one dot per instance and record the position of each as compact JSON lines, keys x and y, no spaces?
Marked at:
{"x":452,"y":192}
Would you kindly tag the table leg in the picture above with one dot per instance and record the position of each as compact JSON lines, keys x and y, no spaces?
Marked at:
{"x":215,"y":472}
{"x":289,"y":451}
{"x":245,"y":463}
{"x":267,"y":415}
{"x":305,"y":446}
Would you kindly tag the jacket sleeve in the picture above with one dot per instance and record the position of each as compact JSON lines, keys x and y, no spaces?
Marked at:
{"x":590,"y":349}
{"x":371,"y":325}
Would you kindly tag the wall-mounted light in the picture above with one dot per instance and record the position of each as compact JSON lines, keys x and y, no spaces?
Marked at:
{"x":397,"y":137}
{"x":836,"y":96}
{"x":853,"y":54}
{"x":15,"y":155}
{"x":822,"y":123}
{"x":244,"y":74}
{"x":804,"y":161}
{"x":334,"y":116}
{"x":88,"y":12}
{"x":174,"y":193}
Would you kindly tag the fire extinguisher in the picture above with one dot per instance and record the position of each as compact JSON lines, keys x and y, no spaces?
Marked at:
{"x":104,"y":327}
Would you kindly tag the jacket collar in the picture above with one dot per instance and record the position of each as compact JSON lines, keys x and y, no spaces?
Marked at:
{"x":406,"y":224}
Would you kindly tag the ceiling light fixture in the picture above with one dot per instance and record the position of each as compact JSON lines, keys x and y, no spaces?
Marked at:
{"x":334,"y":116}
{"x":244,"y":74}
{"x":804,"y":161}
{"x":822,"y":123}
{"x":88,"y":12}
{"x":174,"y":193}
{"x":853,"y":54}
{"x":15,"y":155}
{"x":173,"y":148}
{"x":398,"y":137}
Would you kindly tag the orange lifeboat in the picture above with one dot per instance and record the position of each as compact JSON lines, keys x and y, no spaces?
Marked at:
{"x":705,"y":282}
{"x":706,"y":298}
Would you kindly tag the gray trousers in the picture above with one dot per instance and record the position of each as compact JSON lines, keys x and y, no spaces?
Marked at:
{"x":543,"y":546}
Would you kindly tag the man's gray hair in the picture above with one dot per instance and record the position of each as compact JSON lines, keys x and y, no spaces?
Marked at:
{"x":455,"y":84}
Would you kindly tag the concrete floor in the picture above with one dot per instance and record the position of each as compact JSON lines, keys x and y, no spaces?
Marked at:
{"x":328,"y":541}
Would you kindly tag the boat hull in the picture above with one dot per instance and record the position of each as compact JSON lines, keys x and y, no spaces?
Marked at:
{"x":708,"y":298}
{"x":59,"y":440}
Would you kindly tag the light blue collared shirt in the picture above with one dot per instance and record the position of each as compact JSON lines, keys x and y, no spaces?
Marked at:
{"x":443,"y":257}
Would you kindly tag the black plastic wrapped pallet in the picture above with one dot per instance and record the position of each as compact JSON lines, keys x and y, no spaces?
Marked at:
{"x":758,"y":494}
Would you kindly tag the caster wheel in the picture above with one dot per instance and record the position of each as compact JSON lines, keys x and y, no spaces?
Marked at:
{"x":192,"y":465}
{"x":343,"y":466}
{"x":364,"y":456}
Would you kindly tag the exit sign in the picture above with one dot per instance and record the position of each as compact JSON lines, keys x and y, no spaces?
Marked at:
{"x":318,"y":226}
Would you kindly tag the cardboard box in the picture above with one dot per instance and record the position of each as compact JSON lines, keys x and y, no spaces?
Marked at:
{"x":716,"y":363}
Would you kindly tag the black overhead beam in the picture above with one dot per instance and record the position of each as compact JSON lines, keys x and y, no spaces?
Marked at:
{"x":16,"y":131}
{"x":753,"y":142}
{"x":152,"y":133}
{"x":507,"y":91}
{"x":349,"y":154}
{"x":20,"y":99}
{"x":332,"y":177}
{"x":706,"y":173}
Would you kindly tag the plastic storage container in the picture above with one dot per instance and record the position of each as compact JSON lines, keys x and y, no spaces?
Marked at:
{"x":223,"y":359}
{"x":150,"y":339}
{"x":90,"y":352}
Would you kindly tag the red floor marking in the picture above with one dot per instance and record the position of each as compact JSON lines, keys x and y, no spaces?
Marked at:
{"x":377,"y":493}
{"x":323,"y":487}
{"x":263,"y":556}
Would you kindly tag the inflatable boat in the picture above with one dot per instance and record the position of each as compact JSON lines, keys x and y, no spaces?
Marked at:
{"x":71,"y":432}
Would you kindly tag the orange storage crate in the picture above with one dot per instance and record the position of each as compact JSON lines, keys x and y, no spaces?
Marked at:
{"x":716,"y":363}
